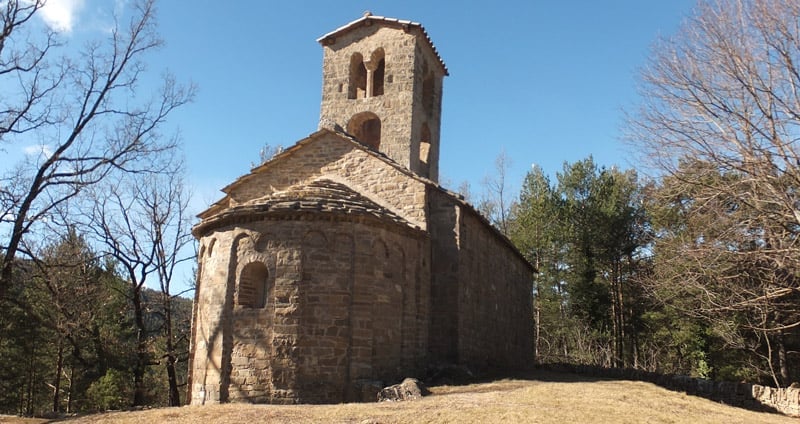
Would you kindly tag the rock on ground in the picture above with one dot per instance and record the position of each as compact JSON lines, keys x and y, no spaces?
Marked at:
{"x":409,"y":389}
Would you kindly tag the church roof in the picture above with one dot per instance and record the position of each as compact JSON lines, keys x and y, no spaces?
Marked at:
{"x":369,"y":19}
{"x":223,"y":203}
{"x":321,"y":196}
{"x":324,"y":195}
{"x":335,"y":192}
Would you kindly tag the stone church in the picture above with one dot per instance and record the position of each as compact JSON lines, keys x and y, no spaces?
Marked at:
{"x":341,"y":260}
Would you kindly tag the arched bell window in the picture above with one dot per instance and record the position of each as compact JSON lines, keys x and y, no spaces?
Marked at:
{"x":377,"y":67}
{"x":357,"y":88}
{"x":367,"y":77}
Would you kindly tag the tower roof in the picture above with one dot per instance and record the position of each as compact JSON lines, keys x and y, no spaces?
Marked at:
{"x":369,"y":19}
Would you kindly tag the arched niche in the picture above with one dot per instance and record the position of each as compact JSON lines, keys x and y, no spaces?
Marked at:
{"x":425,"y":150}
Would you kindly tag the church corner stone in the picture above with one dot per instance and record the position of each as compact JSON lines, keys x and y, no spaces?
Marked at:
{"x":341,"y":264}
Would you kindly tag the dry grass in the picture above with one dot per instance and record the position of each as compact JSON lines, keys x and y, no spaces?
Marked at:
{"x":554,"y":398}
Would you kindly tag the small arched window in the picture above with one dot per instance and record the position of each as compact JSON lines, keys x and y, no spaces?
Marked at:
{"x":357,"y":88}
{"x":253,"y":286}
{"x":366,"y":128}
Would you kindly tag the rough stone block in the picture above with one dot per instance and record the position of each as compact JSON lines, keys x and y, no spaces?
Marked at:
{"x":409,"y":389}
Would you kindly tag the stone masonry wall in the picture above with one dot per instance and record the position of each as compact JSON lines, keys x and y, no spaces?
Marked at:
{"x":481,"y":291}
{"x":443,"y":216}
{"x":427,"y":109}
{"x":495,"y":324}
{"x":331,"y":156}
{"x":212,"y":299}
{"x":345,"y":301}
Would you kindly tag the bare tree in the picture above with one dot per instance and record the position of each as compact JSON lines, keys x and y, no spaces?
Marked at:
{"x":495,"y":203}
{"x":22,"y":57}
{"x":721,"y":119}
{"x":267,"y":152}
{"x":726,"y":91}
{"x":465,"y":191}
{"x":144,"y":225}
{"x":166,"y":200}
{"x":83,"y":112}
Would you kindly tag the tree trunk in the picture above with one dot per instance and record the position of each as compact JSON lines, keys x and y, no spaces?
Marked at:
{"x":31,"y":382}
{"x":783,"y":365}
{"x":616,"y":315}
{"x":536,"y":315}
{"x":770,"y":360}
{"x":621,"y":308}
{"x":614,"y":325}
{"x":174,"y":396}
{"x":71,"y":387}
{"x":536,"y":332}
{"x":57,"y":381}
{"x":142,"y":359}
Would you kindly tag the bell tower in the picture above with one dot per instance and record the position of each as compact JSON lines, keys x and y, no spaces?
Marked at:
{"x":382,"y":83}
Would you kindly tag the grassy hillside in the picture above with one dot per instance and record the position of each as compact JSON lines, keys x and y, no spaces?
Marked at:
{"x":550,"y":398}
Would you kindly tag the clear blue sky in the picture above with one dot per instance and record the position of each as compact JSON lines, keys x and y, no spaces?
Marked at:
{"x":546,"y":81}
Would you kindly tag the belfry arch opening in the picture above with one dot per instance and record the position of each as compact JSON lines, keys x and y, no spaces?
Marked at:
{"x":366,"y":128}
{"x":378,"y":70}
{"x":357,"y":87}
